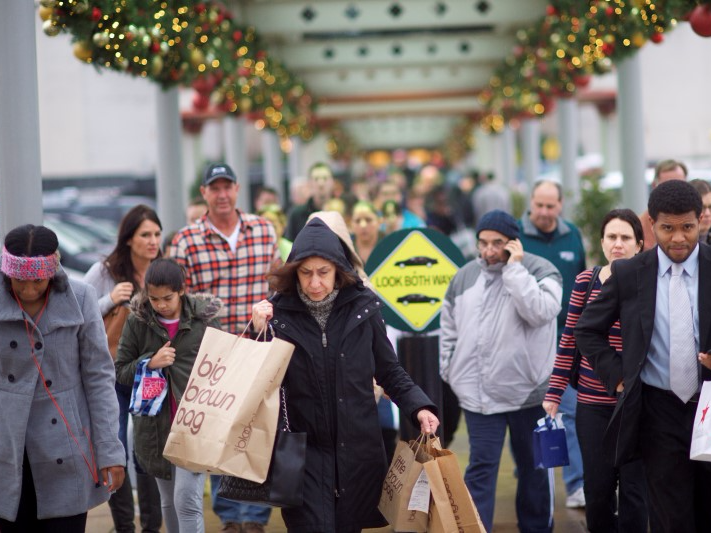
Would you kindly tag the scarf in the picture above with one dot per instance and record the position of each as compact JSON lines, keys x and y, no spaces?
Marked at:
{"x":319,"y":310}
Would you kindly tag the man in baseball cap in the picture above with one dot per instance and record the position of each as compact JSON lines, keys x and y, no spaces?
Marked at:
{"x":227,"y":239}
{"x":217,"y":171}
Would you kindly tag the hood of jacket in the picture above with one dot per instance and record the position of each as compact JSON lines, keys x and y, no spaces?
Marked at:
{"x":201,"y":306}
{"x":317,"y":239}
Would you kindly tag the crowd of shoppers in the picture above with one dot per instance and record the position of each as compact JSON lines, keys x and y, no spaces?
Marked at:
{"x":526,"y":288}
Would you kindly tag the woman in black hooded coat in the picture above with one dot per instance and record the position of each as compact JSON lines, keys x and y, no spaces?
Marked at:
{"x":322,"y":307}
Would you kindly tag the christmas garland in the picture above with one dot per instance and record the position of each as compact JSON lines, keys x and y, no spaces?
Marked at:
{"x":576,"y":39}
{"x":186,"y":43}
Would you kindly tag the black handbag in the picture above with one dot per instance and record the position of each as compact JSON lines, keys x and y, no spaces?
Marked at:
{"x":577,"y":356}
{"x":284,"y":486}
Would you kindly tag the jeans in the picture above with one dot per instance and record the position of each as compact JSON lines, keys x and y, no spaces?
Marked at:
{"x":236,"y":512}
{"x":181,"y":501}
{"x":602,"y":511}
{"x":121,"y":502}
{"x":573,"y":473}
{"x":534,"y":492}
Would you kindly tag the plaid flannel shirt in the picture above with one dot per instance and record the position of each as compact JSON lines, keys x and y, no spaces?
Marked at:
{"x":238,"y":279}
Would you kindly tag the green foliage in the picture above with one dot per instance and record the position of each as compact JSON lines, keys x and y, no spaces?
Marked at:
{"x":556,"y":56}
{"x":594,"y":204}
{"x":196,"y":44}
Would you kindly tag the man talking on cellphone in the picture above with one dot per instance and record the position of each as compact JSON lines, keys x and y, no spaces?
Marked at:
{"x":497,"y":347}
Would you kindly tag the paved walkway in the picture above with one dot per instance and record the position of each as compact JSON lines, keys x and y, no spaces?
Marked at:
{"x":566,"y":520}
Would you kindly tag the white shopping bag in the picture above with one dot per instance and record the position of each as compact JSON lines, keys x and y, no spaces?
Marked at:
{"x":701,"y":437}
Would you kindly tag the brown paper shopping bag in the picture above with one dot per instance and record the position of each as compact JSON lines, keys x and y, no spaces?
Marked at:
{"x":226,"y":420}
{"x":452,"y":509}
{"x":405,"y":476}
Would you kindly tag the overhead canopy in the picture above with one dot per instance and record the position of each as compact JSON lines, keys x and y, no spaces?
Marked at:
{"x":393,"y":73}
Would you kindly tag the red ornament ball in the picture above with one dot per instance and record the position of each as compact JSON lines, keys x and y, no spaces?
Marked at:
{"x":550,"y":11}
{"x":700,"y":20}
{"x":582,"y":81}
{"x":656,"y":37}
{"x":236,"y":36}
{"x":609,"y":11}
{"x":96,"y":14}
{"x":201,"y":101}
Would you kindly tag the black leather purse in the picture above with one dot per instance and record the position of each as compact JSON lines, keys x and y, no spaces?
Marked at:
{"x":284,"y":486}
{"x":577,"y":356}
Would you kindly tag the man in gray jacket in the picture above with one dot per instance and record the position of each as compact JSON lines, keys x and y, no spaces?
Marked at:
{"x":497,"y":348}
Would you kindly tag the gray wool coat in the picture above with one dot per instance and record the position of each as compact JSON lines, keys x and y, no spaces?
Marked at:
{"x":71,"y":348}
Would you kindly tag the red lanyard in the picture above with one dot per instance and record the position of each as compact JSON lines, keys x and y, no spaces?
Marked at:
{"x":91,"y":465}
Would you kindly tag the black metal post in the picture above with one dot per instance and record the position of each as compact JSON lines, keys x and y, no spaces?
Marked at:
{"x":419,"y":356}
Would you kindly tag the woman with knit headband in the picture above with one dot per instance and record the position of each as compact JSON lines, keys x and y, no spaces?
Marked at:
{"x":59,"y":449}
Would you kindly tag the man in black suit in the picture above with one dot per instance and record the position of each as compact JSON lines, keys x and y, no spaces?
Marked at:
{"x":657,"y":379}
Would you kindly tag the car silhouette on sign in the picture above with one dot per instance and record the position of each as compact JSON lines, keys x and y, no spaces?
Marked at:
{"x":417,"y":299}
{"x":418,"y":260}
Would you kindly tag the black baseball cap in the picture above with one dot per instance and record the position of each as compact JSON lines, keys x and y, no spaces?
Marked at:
{"x":218,"y":171}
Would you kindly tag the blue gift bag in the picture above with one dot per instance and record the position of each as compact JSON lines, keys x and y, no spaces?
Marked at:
{"x":549,"y":445}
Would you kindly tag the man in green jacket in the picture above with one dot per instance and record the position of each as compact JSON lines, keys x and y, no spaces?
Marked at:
{"x":546,"y":234}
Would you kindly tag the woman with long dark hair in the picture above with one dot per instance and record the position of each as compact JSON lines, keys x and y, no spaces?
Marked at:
{"x":115,"y":280}
{"x":615,"y":498}
{"x":59,"y":443}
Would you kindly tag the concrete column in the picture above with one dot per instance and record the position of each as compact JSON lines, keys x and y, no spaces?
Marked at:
{"x":484,"y":150}
{"x":191,"y":161}
{"x":20,"y":169}
{"x":169,"y":166}
{"x":273,"y":161}
{"x":294,"y":165}
{"x":569,"y":138}
{"x":629,"y":98}
{"x":610,"y":132}
{"x":505,"y":146}
{"x":235,"y":131}
{"x":531,"y":150}
{"x":295,"y":159}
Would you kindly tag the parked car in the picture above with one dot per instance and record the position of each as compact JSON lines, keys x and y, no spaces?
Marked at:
{"x":106,"y":204}
{"x":79,"y":248}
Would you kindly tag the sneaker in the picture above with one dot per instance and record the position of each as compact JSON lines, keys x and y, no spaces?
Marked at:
{"x":253,"y":527}
{"x":230,"y":527}
{"x":576,"y":500}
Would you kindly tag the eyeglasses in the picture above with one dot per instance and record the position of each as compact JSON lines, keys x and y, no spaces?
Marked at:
{"x":496,"y":245}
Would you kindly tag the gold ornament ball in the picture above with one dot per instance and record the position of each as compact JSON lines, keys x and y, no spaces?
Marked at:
{"x":197,"y":57}
{"x":48,"y":3}
{"x":50,"y":28}
{"x":245,"y":104}
{"x":45,"y":12}
{"x":83,"y":51}
{"x":156,"y":65}
{"x":638,"y":39}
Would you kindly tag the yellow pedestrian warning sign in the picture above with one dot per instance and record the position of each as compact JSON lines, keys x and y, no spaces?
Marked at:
{"x":410,"y":270}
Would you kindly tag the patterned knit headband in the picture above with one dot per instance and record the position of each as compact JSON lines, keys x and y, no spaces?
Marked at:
{"x":29,"y":268}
